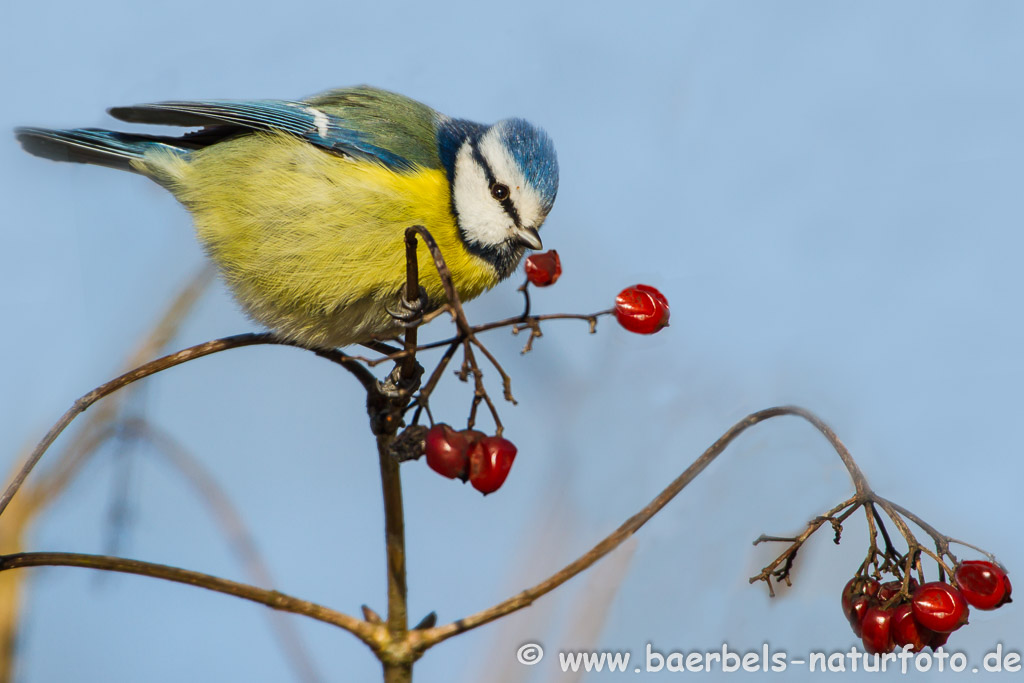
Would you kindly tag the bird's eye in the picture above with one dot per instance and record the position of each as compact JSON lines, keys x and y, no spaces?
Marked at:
{"x":499,"y":191}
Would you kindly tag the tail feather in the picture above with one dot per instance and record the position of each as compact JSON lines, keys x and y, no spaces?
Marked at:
{"x":90,"y":146}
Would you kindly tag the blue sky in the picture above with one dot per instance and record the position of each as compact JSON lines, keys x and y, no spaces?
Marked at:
{"x":828,"y":194}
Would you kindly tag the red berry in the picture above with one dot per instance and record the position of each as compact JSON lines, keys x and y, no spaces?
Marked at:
{"x":983,"y":584}
{"x":850,"y":591}
{"x":641,"y":309}
{"x":939,"y":607}
{"x":853,"y":589}
{"x":447,"y":451}
{"x":858,"y":610}
{"x":906,"y":631}
{"x":473,"y":436}
{"x":490,"y":459}
{"x":890,"y":589}
{"x":543,"y":269}
{"x":876,"y":630}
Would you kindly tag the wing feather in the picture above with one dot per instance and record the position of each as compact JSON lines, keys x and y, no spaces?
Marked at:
{"x":306,"y":121}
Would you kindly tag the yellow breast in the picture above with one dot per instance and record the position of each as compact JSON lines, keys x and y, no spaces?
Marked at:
{"x":312,"y":243}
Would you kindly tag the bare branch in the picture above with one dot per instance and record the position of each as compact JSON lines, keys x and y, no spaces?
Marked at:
{"x":364,"y":631}
{"x":517,"y":324}
{"x":789,"y":554}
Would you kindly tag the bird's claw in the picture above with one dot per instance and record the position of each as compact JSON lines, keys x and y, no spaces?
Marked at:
{"x":398,"y":388}
{"x":410,"y":313}
{"x":387,"y":403}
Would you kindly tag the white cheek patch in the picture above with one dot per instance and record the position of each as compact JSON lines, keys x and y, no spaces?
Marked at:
{"x":483,"y":220}
{"x":524,"y":197}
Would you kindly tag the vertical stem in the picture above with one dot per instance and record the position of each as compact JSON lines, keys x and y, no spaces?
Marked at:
{"x":412,"y":293}
{"x":391,"y":480}
{"x":395,"y":656}
{"x":398,"y":672}
{"x":394,"y":534}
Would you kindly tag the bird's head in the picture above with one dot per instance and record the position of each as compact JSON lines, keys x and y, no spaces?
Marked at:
{"x":503,"y":183}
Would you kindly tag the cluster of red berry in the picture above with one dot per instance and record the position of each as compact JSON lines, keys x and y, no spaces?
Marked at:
{"x":886,"y":616}
{"x":641,"y":308}
{"x":470,"y":455}
{"x":484,"y":461}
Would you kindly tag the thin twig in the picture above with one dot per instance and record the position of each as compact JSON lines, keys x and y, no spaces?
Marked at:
{"x":365,"y":631}
{"x":465,"y":329}
{"x":984,"y":552}
{"x":525,"y":289}
{"x":938,"y":537}
{"x":789,"y":554}
{"x":890,"y":550}
{"x":507,"y":322}
{"x":423,"y":396}
{"x":941,"y":541}
{"x":873,"y":552}
{"x":517,"y":324}
{"x":506,"y":381}
{"x":479,"y":392}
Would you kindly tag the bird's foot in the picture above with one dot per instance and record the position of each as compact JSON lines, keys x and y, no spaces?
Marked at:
{"x":410,"y":313}
{"x":399,"y":388}
{"x":388,"y":403}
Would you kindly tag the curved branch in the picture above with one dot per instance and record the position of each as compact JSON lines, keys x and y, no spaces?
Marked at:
{"x":938,"y":537}
{"x":427,"y":638}
{"x":860,"y":482}
{"x":442,"y":271}
{"x":365,"y":631}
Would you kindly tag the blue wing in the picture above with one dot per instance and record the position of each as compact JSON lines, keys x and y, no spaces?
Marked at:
{"x":295,"y":118}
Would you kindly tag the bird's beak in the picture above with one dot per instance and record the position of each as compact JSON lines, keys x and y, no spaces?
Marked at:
{"x":529,"y":238}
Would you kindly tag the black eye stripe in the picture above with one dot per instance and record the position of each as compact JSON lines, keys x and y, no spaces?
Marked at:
{"x":506,"y":203}
{"x":479,"y":158}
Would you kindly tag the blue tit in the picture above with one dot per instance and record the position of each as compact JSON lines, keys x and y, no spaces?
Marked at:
{"x":304,"y":205}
